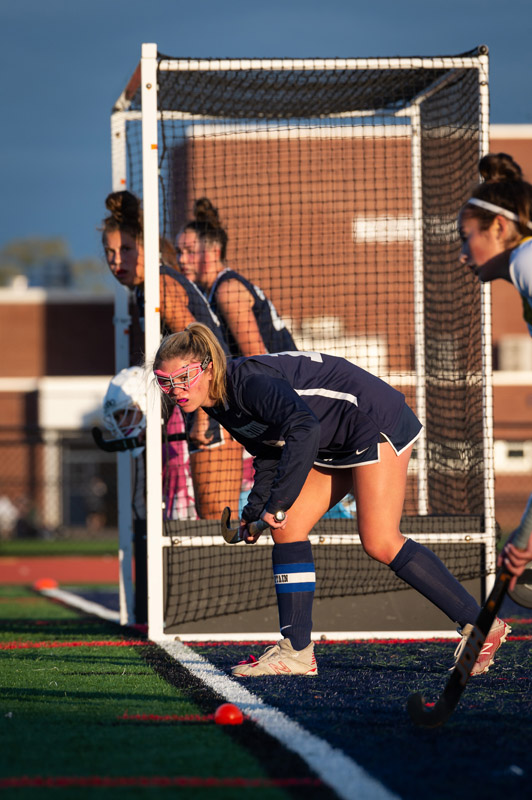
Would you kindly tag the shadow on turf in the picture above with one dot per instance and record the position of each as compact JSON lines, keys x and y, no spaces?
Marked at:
{"x":277,"y":761}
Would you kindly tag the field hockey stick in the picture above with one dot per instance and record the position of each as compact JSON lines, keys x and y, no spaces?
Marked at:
{"x":444,"y":707}
{"x":236,"y":535}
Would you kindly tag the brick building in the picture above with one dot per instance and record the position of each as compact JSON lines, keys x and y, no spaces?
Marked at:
{"x":57,"y":358}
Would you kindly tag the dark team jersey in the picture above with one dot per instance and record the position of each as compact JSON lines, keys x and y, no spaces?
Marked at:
{"x":272,"y":329}
{"x":291,"y":410}
{"x":196,"y":302}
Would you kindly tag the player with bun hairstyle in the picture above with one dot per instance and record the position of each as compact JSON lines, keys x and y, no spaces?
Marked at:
{"x":123,"y":241}
{"x":215,"y":458}
{"x":249,"y":320}
{"x":496,"y":230}
{"x":318,"y":427}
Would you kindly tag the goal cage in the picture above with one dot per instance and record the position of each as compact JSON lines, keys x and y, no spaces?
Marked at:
{"x":338,"y":182}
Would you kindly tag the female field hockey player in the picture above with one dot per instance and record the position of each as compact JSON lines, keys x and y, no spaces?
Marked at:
{"x":318,"y":427}
{"x":215,"y":458}
{"x":250,"y":323}
{"x":496,"y":231}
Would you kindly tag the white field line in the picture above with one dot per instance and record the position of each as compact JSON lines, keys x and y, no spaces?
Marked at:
{"x":345,"y":776}
{"x":76,"y":601}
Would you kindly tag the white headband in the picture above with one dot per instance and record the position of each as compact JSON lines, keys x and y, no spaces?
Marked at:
{"x":474,"y":201}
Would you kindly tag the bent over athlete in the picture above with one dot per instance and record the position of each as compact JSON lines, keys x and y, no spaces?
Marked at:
{"x":318,"y":427}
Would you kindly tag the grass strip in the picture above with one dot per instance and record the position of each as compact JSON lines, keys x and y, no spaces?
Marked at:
{"x":63,"y":711}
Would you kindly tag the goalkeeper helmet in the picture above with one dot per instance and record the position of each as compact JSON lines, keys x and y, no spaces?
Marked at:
{"x":124,"y":406}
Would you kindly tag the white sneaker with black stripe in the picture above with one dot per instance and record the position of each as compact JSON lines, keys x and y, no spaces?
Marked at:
{"x":279,"y":659}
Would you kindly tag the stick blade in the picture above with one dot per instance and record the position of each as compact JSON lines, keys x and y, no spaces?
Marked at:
{"x":427,"y":717}
{"x":230,"y":536}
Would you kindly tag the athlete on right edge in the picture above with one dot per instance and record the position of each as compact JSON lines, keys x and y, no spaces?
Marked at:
{"x":496,"y":230}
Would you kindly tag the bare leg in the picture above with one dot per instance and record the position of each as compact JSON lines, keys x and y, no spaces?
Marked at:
{"x":321,"y":491}
{"x":380,"y":494}
{"x":380,"y":490}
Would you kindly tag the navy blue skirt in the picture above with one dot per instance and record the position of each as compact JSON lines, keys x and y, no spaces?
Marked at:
{"x":405,"y":433}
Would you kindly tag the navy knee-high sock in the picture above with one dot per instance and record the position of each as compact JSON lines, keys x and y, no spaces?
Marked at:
{"x":422,"y":569}
{"x":295,"y":578}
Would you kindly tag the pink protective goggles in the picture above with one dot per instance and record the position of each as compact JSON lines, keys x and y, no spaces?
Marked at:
{"x":182,"y":379}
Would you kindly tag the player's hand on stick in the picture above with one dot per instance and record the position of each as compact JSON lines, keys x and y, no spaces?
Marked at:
{"x":514,"y":559}
{"x":247,"y":531}
{"x":250,"y":533}
{"x":249,"y":536}
{"x":275,"y":521}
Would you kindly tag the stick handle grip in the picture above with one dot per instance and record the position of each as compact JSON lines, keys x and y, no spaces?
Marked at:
{"x":260,"y":525}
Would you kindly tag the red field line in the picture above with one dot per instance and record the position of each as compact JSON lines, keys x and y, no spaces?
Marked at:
{"x":102,"y":781}
{"x":145,"y":642}
{"x":166,"y":717}
{"x":32,"y":645}
{"x":357,"y":642}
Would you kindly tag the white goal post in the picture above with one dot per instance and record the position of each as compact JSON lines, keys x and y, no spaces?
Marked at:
{"x":404,"y":126}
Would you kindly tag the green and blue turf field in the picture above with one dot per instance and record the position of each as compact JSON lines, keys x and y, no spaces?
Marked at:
{"x":90,"y":710}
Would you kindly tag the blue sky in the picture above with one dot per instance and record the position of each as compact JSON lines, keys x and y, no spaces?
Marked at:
{"x":64,"y":63}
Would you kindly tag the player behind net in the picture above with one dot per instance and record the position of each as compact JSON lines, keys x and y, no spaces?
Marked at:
{"x":496,"y":231}
{"x":215,"y":458}
{"x":318,"y":427}
{"x":250,"y":322}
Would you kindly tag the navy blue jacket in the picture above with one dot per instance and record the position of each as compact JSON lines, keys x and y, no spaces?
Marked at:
{"x":293,"y":410}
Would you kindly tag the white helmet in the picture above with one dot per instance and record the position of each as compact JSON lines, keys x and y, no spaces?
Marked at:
{"x":124,"y":405}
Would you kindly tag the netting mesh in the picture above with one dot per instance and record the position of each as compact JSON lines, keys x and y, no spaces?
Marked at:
{"x":205,"y":581}
{"x":452,"y":321}
{"x":315,"y":173}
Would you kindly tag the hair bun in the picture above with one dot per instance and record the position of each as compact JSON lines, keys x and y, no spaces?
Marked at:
{"x":124,"y":207}
{"x":206,"y":213}
{"x":500,"y":168}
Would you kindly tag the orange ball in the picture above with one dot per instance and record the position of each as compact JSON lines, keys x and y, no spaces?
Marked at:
{"x":228,"y":714}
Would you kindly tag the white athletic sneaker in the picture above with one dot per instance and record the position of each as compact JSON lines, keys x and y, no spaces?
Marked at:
{"x":497,"y":636}
{"x":279,"y":659}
